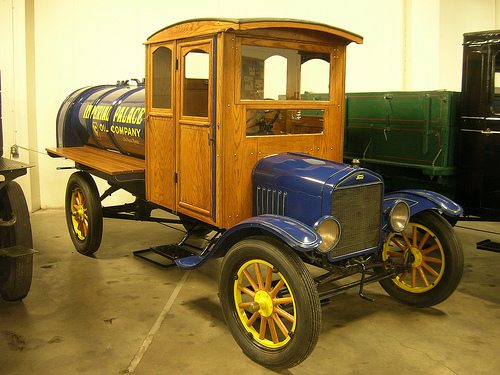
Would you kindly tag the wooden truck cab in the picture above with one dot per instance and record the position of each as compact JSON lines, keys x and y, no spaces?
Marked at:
{"x":222,"y":94}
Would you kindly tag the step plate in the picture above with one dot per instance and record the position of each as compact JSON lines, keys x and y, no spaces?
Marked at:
{"x":488,"y":245}
{"x":164,"y":256}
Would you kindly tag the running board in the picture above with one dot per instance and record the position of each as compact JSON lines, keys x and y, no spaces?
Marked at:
{"x":164,"y":256}
{"x":488,"y":245}
{"x":182,"y":254}
{"x":16,"y":251}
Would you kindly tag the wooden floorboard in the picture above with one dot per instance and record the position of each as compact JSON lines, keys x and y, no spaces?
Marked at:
{"x":108,"y":162}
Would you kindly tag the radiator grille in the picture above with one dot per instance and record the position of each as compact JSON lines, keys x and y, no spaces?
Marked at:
{"x":358,"y":210}
{"x":270,"y":201}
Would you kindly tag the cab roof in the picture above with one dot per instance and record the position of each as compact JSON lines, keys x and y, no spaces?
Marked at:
{"x":482,"y":37}
{"x":205,"y":26}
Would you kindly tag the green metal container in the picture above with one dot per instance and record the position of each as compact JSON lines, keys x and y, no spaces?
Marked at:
{"x":408,"y":134}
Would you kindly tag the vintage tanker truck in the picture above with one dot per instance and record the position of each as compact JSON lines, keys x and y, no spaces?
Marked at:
{"x":220,"y":135}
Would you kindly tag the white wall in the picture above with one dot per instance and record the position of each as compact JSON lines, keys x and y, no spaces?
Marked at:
{"x":421,"y":54}
{"x":408,"y":45}
{"x":457,"y":17}
{"x":18,"y":105}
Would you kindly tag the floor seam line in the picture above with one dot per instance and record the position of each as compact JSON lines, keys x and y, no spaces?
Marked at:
{"x":156,"y":326}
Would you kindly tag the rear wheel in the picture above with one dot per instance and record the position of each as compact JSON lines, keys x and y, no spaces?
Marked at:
{"x":270,"y":302}
{"x":83,"y":213}
{"x":15,"y":272}
{"x":432,"y":247}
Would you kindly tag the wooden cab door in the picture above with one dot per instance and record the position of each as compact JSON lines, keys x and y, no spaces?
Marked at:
{"x":195,"y":142}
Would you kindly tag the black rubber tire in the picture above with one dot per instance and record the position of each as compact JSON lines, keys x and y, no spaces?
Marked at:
{"x":450,"y":269}
{"x":85,"y":243}
{"x":306,"y":305}
{"x":16,"y":273}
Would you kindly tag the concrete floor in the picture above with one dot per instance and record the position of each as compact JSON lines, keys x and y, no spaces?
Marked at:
{"x":115,"y":313}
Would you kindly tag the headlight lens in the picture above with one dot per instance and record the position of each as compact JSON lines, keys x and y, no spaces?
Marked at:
{"x":329,"y":229}
{"x":399,"y":215}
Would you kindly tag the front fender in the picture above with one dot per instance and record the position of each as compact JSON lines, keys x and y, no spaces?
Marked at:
{"x":421,"y":200}
{"x":294,"y":233}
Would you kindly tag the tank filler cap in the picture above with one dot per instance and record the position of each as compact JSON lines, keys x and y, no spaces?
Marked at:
{"x":127,"y":82}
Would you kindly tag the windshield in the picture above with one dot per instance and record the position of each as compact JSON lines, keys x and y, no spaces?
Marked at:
{"x":269,"y":73}
{"x":284,"y":74}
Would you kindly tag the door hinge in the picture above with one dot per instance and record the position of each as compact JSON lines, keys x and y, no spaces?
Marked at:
{"x":175,"y":177}
{"x":211,"y":140}
{"x":176,"y":64}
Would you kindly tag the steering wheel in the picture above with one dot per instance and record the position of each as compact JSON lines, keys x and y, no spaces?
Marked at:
{"x":261,"y":124}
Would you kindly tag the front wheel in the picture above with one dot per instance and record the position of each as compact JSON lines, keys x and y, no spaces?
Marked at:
{"x":83,"y":213}
{"x":432,"y":247}
{"x":269,"y":302}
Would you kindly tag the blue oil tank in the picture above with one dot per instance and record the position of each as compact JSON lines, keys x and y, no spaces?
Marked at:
{"x":110,"y":117}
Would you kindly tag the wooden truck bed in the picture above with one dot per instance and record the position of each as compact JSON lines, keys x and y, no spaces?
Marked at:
{"x":111,"y":163}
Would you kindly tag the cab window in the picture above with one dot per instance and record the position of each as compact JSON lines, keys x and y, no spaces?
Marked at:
{"x":269,"y":73}
{"x":196,"y":81}
{"x":496,"y":84}
{"x":162,"y":78}
{"x":274,"y":75}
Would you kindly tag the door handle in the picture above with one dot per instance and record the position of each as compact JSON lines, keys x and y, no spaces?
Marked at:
{"x":488,"y":131}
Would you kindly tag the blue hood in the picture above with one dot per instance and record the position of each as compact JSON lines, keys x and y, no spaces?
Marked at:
{"x":301,"y":186}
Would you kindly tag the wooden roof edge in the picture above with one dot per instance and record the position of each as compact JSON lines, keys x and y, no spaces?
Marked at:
{"x":204,"y":26}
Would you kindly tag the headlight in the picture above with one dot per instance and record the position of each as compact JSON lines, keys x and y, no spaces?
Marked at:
{"x":329,"y":229}
{"x":398,"y":216}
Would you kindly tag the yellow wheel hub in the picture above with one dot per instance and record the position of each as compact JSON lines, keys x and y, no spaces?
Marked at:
{"x":417,"y":256}
{"x":265,"y":303}
{"x":78,"y":214}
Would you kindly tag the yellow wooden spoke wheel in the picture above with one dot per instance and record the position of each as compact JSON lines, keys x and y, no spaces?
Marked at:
{"x":424,"y":251}
{"x":264,"y":303}
{"x":431,"y":248}
{"x":79,"y":213}
{"x":83,"y":213}
{"x":270,"y":302}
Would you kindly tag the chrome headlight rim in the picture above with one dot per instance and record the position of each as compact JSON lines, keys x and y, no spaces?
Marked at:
{"x":329,"y":242}
{"x":400,"y":211}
